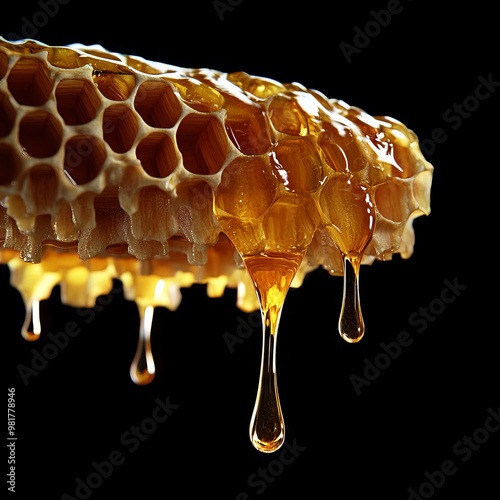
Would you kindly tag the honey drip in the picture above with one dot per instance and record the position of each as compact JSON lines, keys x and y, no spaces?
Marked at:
{"x":351,"y":324}
{"x":272,"y":274}
{"x":142,"y":369}
{"x":32,"y":327}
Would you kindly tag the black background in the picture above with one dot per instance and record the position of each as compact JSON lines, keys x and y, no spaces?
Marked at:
{"x":407,"y":422}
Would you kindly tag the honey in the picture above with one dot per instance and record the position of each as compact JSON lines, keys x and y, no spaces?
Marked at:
{"x":115,"y":167}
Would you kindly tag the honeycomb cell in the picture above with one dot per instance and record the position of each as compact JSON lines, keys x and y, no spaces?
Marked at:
{"x":10,"y":164}
{"x":367,"y":124}
{"x":259,"y":87}
{"x":84,"y":156}
{"x":40,"y":134}
{"x":195,"y":213}
{"x":203,"y":144}
{"x":198,"y":194}
{"x":405,"y":161}
{"x":198,"y":96}
{"x":340,"y":147}
{"x":247,"y":189}
{"x":64,"y":227}
{"x":295,"y":113}
{"x":350,"y":214}
{"x":119,"y":127}
{"x":29,"y":81}
{"x":157,"y":155}
{"x":4,"y":64}
{"x":114,"y":86}
{"x":388,"y":197}
{"x":298,"y":165}
{"x":39,"y":188}
{"x":249,"y":132}
{"x":154,"y":216}
{"x":156,"y":103}
{"x":7,"y":115}
{"x":64,"y":57}
{"x":77,"y":101}
{"x":290,"y":224}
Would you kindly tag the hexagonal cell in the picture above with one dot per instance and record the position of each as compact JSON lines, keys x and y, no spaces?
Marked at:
{"x":302,"y":219}
{"x":157,"y":155}
{"x":7,"y":115}
{"x":157,"y":104}
{"x":77,"y":101}
{"x":114,"y":86}
{"x":349,"y":212}
{"x":247,"y":188}
{"x":199,"y":96}
{"x":84,"y":156}
{"x":119,"y":127}
{"x":295,"y":113}
{"x":341,"y":149}
{"x":29,"y":81}
{"x":4,"y":64}
{"x":249,"y":131}
{"x":9,"y":164}
{"x":40,"y":134}
{"x":406,"y":160}
{"x":392,"y":199}
{"x":298,"y":165}
{"x":64,"y":57}
{"x":203,"y":144}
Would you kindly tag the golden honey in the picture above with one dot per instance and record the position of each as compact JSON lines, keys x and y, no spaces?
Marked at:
{"x":115,"y":167}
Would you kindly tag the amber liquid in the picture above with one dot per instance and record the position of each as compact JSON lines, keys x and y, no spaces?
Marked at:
{"x":351,"y":323}
{"x":272,"y":274}
{"x":142,"y":369}
{"x":32,"y":327}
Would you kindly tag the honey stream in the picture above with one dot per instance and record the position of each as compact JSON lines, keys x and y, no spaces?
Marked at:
{"x":351,"y":324}
{"x":272,"y":274}
{"x":142,"y":369}
{"x":32,"y":327}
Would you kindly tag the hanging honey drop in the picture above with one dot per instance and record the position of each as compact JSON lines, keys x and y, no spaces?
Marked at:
{"x":351,"y":324}
{"x":32,"y":327}
{"x":272,"y":275}
{"x":142,"y":369}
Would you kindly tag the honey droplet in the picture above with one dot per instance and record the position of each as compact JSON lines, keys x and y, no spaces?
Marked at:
{"x":272,"y":274}
{"x":351,"y":324}
{"x":32,"y":327}
{"x":142,"y":369}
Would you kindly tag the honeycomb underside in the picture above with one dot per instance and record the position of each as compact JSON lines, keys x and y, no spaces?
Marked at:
{"x":112,"y":166}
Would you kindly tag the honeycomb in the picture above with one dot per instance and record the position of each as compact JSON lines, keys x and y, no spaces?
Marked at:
{"x":116,"y":167}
